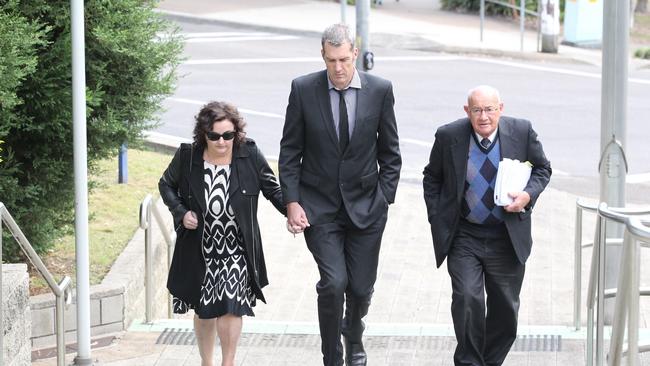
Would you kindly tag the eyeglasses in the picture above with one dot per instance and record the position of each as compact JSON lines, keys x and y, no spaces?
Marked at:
{"x":488,"y":110}
{"x":213,"y":136}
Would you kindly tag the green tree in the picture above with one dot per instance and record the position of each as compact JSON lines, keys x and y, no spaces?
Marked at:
{"x":131,"y":58}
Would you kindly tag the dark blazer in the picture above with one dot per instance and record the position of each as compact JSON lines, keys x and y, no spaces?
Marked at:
{"x":181,"y":188}
{"x":313,"y":170}
{"x":444,"y":180}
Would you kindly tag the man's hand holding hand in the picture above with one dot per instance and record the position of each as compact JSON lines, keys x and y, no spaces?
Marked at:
{"x":296,"y":218}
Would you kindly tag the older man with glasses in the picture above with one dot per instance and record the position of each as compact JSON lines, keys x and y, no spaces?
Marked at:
{"x":486,"y":245}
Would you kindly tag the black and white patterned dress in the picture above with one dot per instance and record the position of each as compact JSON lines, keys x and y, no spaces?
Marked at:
{"x":226,"y":288}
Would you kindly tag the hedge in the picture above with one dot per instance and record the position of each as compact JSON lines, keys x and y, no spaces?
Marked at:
{"x":130,"y":68}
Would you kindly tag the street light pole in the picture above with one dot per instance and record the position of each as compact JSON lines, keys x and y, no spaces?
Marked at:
{"x":613,"y":165}
{"x":80,"y":181}
{"x":363,"y":34}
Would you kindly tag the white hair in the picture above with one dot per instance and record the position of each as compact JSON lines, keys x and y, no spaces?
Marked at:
{"x":484,"y":89}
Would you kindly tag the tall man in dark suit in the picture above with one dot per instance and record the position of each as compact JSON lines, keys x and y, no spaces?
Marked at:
{"x":339,"y":167}
{"x":486,"y":245}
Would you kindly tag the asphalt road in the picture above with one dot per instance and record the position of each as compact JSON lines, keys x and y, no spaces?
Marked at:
{"x":253,"y":70}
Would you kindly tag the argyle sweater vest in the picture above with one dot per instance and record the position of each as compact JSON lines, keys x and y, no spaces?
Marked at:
{"x":478,"y":205}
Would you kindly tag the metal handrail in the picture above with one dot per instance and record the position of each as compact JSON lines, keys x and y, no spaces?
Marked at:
{"x":146,"y":209}
{"x":582,"y":206}
{"x":522,"y":10}
{"x":61,"y":290}
{"x":627,"y":305}
{"x":597,"y":293}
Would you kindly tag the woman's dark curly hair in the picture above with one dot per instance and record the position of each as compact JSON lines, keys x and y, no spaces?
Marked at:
{"x":215,"y":112}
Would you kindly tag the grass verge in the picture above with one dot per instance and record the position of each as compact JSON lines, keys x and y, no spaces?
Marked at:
{"x":641,"y":32}
{"x":114,"y":210}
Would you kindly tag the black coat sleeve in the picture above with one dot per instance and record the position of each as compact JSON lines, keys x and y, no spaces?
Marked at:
{"x":268,"y":182}
{"x":168,"y":185}
{"x":433,"y":178}
{"x":541,"y":171}
{"x":291,"y":147}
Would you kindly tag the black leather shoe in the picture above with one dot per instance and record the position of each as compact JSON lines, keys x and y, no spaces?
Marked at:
{"x":355,"y":355}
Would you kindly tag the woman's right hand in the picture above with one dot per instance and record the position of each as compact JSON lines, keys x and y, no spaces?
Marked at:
{"x":190,"y":221}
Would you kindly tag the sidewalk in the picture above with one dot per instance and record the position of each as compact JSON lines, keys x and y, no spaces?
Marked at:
{"x":406,"y":24}
{"x":410,"y":320}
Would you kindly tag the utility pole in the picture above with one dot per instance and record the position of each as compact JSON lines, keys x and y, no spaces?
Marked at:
{"x":550,"y":16}
{"x":365,"y":59}
{"x":80,"y":181}
{"x":344,"y":3}
{"x":613,"y":164}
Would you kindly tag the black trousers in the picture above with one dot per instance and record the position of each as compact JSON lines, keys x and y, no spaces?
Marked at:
{"x":484,"y":262}
{"x":347,"y":259}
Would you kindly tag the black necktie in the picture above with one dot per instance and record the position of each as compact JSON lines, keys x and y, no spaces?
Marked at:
{"x":344,"y":135}
{"x":485,"y":142}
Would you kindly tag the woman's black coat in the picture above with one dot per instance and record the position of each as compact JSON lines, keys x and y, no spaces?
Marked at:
{"x":250,"y":173}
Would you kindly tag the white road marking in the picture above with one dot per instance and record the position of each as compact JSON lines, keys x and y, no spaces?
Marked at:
{"x":239,"y":39}
{"x":223,"y":34}
{"x":211,"y":37}
{"x":242,"y":110}
{"x":416,"y":142}
{"x":555,"y":70}
{"x":269,"y":60}
{"x":163,"y":139}
{"x":225,"y":61}
{"x":421,"y":58}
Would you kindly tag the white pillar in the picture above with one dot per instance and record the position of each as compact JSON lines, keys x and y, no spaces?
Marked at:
{"x":80,"y":181}
{"x":613,"y":124}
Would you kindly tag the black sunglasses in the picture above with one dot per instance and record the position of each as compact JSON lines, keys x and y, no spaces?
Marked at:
{"x":213,"y":136}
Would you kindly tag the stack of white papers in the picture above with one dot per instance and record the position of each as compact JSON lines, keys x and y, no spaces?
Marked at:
{"x":512,"y":176}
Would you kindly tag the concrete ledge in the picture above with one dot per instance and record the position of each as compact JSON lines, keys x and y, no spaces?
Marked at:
{"x":117,"y":301}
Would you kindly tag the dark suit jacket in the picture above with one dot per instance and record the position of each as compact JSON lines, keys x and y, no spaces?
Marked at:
{"x":444,"y":180}
{"x":313,"y":170}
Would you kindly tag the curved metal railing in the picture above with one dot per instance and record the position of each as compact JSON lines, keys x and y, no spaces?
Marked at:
{"x":626,"y":310}
{"x":579,"y":245}
{"x":147,"y":207}
{"x":61,"y":290}
{"x":627,"y":292}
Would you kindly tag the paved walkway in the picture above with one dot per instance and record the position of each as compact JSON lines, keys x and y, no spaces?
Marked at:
{"x":409,"y":322}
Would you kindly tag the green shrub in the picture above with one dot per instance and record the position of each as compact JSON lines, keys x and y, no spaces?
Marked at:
{"x":129,"y":70}
{"x":642,"y":53}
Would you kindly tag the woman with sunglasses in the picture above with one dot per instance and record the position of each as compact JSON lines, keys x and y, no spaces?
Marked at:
{"x":211,"y":188}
